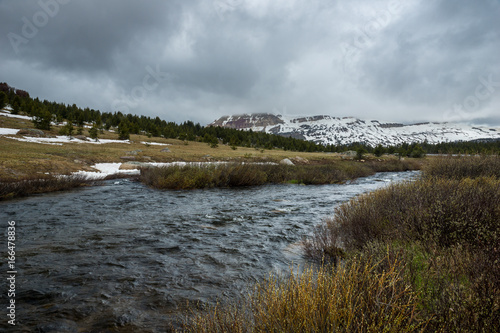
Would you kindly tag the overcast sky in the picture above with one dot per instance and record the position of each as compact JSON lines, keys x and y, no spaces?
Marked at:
{"x":390,"y":60}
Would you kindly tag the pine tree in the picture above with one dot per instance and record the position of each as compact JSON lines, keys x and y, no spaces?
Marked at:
{"x":233,"y":142}
{"x":94,"y":132}
{"x":16,"y":104}
{"x":67,"y":129}
{"x":123,"y":131}
{"x":70,"y":127}
{"x":98,"y":123}
{"x":379,"y":150}
{"x":42,"y":119}
{"x":401,"y":151}
{"x":417,"y":152}
{"x":3,"y":99}
{"x":360,"y":152}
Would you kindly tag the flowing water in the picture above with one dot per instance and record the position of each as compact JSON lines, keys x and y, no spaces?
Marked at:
{"x":124,"y":257}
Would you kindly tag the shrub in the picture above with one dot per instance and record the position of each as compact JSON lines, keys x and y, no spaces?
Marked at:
{"x":458,"y":167}
{"x":243,"y":175}
{"x":445,"y":229}
{"x":441,"y":211}
{"x":28,"y":186}
{"x":234,"y":175}
{"x":356,"y":297}
{"x":67,"y":129}
{"x":239,"y":174}
{"x":457,"y":288}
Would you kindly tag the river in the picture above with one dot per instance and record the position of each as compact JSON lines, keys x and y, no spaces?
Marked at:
{"x":123,"y":257}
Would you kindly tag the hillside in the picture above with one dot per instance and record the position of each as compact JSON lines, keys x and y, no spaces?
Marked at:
{"x":347,"y":130}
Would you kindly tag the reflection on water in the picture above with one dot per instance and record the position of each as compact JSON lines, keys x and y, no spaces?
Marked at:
{"x":125,"y":257}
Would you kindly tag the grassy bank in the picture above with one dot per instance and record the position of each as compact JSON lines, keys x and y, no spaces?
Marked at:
{"x":445,"y":228}
{"x":444,"y":212}
{"x":238,"y":174}
{"x":420,"y":256}
{"x":11,"y":189}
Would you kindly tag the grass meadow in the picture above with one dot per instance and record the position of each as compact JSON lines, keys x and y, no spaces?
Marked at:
{"x":30,"y":168}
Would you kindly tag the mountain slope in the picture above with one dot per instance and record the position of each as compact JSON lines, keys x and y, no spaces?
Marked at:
{"x":334,"y":130}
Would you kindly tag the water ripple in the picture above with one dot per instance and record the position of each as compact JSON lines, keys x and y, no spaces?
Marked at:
{"x":124,"y":257}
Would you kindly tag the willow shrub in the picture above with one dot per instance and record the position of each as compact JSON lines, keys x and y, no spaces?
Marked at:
{"x":457,"y":287}
{"x":238,"y":174}
{"x":447,"y":232}
{"x":20,"y":188}
{"x":440,"y":211}
{"x":459,"y":167}
{"x":355,"y":297}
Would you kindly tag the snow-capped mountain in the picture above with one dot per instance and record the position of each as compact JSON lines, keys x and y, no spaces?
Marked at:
{"x":346,"y":130}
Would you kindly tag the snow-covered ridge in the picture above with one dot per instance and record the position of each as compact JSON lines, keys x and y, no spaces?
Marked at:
{"x":326,"y":129}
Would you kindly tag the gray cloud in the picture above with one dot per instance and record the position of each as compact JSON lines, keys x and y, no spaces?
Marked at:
{"x":385,"y":59}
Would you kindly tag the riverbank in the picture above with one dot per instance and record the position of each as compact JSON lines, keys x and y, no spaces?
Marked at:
{"x":418,"y":256}
{"x":12,"y":189}
{"x":190,"y":175}
{"x":255,"y":174}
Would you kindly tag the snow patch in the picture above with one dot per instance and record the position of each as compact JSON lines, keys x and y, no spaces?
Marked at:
{"x":155,"y":143}
{"x":104,"y":170}
{"x":59,"y":140}
{"x":34,"y":140}
{"x":8,"y":114}
{"x":8,"y":131}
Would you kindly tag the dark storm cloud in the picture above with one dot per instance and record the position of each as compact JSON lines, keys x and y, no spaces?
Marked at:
{"x":437,"y":54}
{"x":84,"y":35}
{"x":386,"y":59}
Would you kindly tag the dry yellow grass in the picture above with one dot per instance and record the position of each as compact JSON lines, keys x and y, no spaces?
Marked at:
{"x":357,"y":296}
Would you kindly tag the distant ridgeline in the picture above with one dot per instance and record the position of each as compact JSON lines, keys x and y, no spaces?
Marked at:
{"x":44,"y":113}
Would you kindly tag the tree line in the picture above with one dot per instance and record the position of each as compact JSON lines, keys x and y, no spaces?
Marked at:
{"x":45,"y":113}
